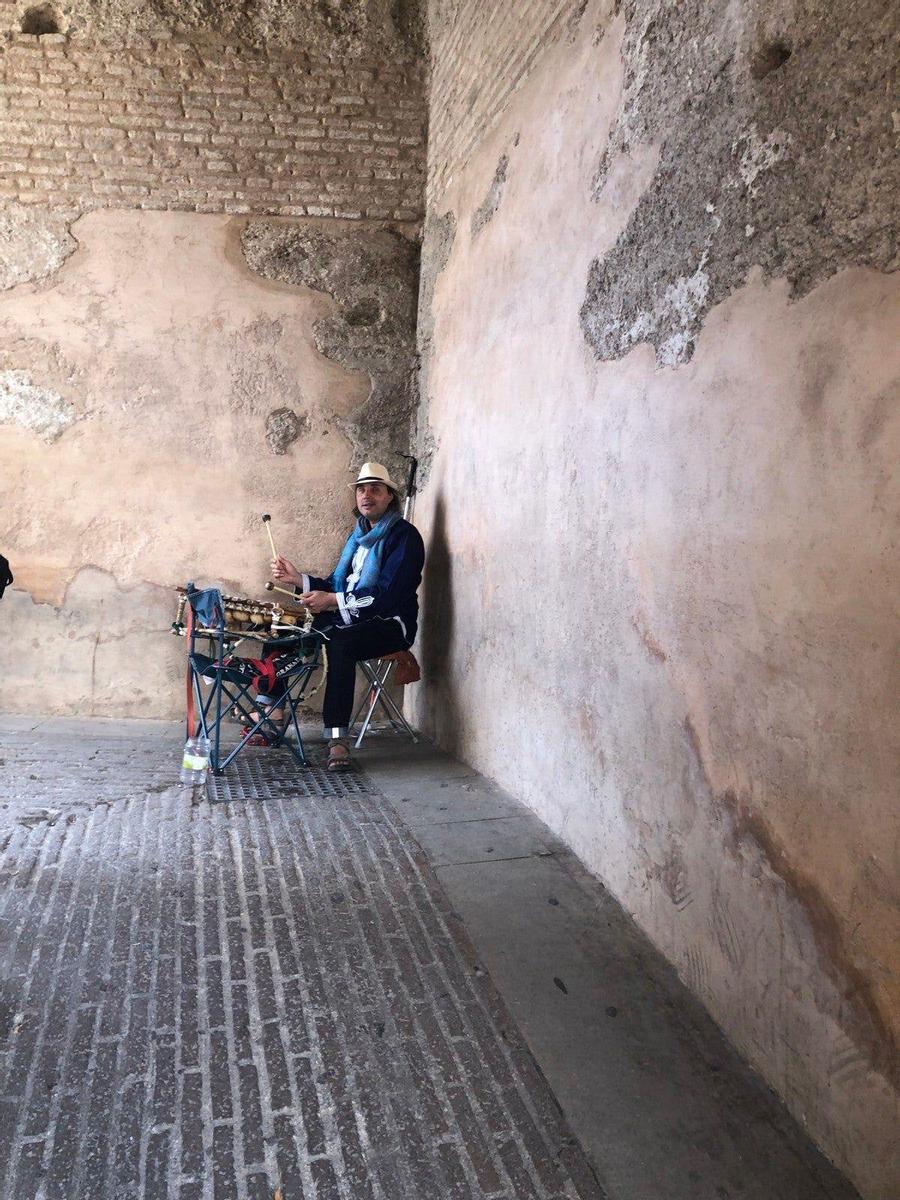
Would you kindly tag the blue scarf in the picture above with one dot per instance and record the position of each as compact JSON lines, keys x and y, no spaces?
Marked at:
{"x":373,"y":538}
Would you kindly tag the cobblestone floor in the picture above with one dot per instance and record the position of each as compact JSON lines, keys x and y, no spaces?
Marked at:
{"x":262,"y":993}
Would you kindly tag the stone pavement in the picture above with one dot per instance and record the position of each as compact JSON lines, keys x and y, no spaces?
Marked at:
{"x":260,"y":993}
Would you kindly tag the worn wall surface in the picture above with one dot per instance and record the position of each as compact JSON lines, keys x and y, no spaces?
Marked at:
{"x":158,"y":392}
{"x":659,"y":381}
{"x":329,"y":125}
{"x":348,"y":29}
{"x":481,"y":53}
{"x":167,"y":376}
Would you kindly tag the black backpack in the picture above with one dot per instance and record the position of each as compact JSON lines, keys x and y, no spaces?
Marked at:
{"x":6,"y":575}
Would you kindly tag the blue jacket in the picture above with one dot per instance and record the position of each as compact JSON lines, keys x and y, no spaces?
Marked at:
{"x":393,"y":595}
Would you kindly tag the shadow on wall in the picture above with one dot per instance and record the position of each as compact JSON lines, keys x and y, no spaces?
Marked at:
{"x":437,"y":635}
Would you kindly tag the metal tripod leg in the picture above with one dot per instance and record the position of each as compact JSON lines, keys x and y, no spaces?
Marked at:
{"x":367,"y":671}
{"x":379,"y":695}
{"x":377,"y":685}
{"x":390,"y":707}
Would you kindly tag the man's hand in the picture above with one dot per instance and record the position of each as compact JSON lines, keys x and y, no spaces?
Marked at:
{"x":319,"y":602}
{"x":282,"y":569}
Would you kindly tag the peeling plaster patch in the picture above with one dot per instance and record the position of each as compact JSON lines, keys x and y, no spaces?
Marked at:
{"x":283,"y":427}
{"x":601,"y":175}
{"x":37,"y":409}
{"x":33,"y":244}
{"x":758,"y":154}
{"x":323,"y":27}
{"x":771,"y":155}
{"x":574,"y":19}
{"x":145,"y":396}
{"x":265,"y":331}
{"x":437,"y":245}
{"x":260,"y":378}
{"x":489,"y":205}
{"x":680,"y":306}
{"x":372,"y":277}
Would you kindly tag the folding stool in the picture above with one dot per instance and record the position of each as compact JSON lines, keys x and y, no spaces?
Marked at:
{"x":378,"y":672}
{"x":230,"y":681}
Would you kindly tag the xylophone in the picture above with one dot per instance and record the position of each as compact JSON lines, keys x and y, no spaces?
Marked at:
{"x":261,"y":620}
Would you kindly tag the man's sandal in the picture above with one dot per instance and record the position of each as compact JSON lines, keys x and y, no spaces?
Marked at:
{"x":339,"y":762}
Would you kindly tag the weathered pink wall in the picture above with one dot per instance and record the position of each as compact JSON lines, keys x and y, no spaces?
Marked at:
{"x":208,"y":263}
{"x":661,"y":599}
{"x":137,"y":385}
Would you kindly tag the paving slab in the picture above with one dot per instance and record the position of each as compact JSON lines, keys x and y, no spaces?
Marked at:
{"x":254,"y":989}
{"x":485,"y":840}
{"x":653,"y":1090}
{"x":440,"y":804}
{"x":663,"y":1104}
{"x":15,"y":723}
{"x":394,"y":983}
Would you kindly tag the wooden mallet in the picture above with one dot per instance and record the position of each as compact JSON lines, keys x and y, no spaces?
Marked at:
{"x":273,"y":587}
{"x":266,"y":519}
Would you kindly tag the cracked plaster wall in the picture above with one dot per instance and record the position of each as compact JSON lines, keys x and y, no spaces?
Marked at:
{"x":659,"y":399}
{"x":33,"y":243}
{"x":349,"y":28}
{"x":372,"y":277}
{"x":156,"y":396}
{"x":313,"y":109}
{"x":437,"y":243}
{"x":778,"y":151}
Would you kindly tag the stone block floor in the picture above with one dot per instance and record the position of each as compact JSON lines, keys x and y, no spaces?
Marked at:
{"x":389,"y":985}
{"x":262,"y":992}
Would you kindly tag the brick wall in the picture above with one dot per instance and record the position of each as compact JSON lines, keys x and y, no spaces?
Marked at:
{"x":179,"y":124}
{"x":480,"y":54}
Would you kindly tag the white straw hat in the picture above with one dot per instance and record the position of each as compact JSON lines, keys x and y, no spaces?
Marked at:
{"x":373,"y":472}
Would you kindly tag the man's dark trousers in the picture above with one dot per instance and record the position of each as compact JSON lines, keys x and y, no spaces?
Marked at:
{"x":347,"y":645}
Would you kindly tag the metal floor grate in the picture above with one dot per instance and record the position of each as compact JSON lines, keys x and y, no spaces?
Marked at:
{"x":257,"y":773}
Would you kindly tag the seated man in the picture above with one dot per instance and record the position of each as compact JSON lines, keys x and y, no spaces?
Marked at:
{"x":367,"y":606}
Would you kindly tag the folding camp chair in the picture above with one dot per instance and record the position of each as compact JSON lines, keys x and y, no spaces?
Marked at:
{"x":378,"y":673}
{"x":218,"y":683}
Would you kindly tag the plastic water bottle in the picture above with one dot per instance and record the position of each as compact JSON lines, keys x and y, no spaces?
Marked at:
{"x":195,"y":760}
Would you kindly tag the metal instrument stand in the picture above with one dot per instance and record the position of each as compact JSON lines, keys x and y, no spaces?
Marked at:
{"x":229,"y":687}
